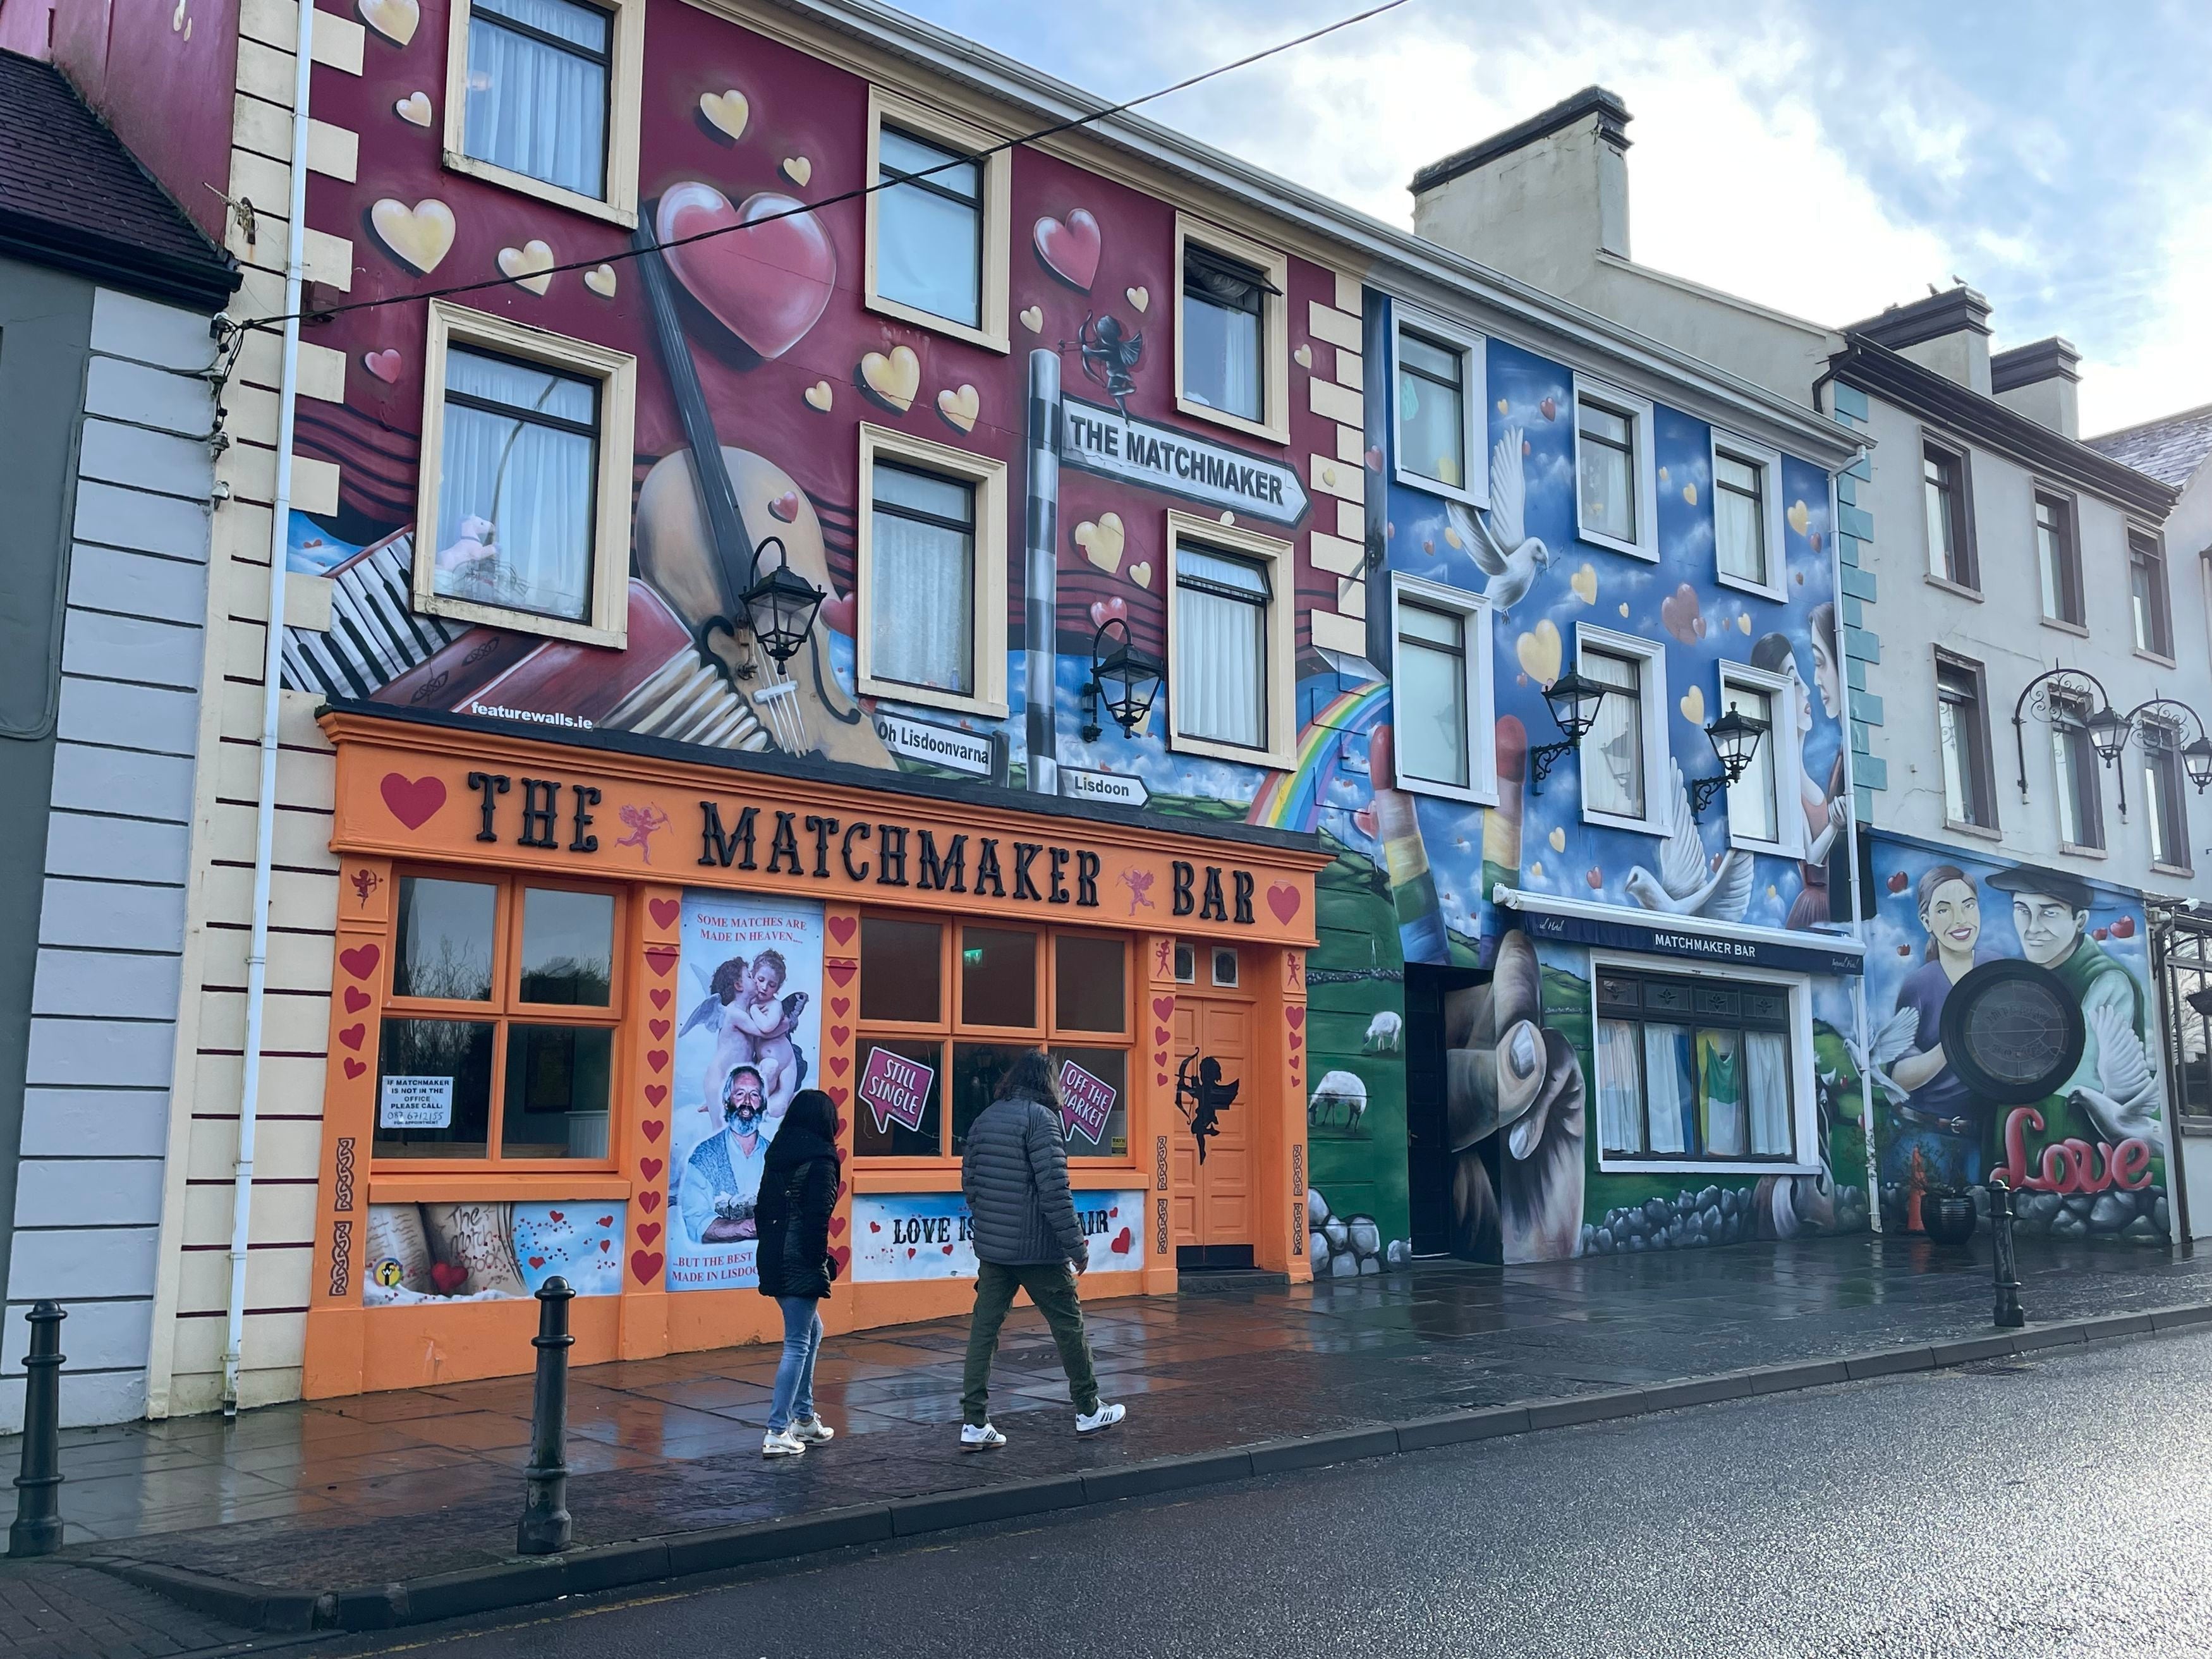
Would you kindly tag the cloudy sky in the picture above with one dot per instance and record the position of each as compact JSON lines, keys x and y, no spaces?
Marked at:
{"x":1826,"y":160}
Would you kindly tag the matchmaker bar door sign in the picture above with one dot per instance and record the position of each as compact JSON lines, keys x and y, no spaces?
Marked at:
{"x":1116,"y":788}
{"x":1097,"y":439}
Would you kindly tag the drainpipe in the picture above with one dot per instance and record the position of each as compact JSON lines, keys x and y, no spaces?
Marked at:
{"x":264,"y":808}
{"x":1851,"y":852}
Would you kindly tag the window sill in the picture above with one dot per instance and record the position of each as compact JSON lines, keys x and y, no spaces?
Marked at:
{"x":388,"y":1185}
{"x":2078,"y":629}
{"x":1766,"y":849}
{"x":1278,"y":434}
{"x":922,"y":696}
{"x":2153,"y":656}
{"x":991,"y":339}
{"x":1614,"y":544}
{"x":1428,"y":486}
{"x":1982,"y":832}
{"x":615,"y":211}
{"x":1281,"y":760}
{"x":2074,"y":850}
{"x":1483,"y":793}
{"x":1739,"y":1166}
{"x":1769,"y":591}
{"x":2184,"y":871}
{"x":522,"y":621}
{"x":1634,"y":826}
{"x":1950,"y":587}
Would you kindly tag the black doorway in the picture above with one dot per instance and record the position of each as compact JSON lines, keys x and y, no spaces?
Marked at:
{"x":1428,"y":1146}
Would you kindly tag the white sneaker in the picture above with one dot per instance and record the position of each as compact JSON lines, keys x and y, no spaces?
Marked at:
{"x":1104,"y":1417}
{"x":783,"y":1443}
{"x":812,"y":1430}
{"x":985,"y":1438}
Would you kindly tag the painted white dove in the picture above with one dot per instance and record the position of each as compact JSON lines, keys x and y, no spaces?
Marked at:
{"x":1896,"y":1037}
{"x":2126,"y":1102}
{"x":1686,"y":885}
{"x":1499,"y":541}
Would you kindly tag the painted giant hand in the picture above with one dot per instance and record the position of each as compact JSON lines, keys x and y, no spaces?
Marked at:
{"x":1514,"y":1102}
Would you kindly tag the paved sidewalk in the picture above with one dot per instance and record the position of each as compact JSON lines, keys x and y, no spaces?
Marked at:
{"x":385,"y":1488}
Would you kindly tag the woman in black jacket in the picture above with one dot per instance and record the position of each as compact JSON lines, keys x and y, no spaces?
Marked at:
{"x":798,"y":1188}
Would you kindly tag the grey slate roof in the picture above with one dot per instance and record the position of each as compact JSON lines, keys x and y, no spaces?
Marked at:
{"x":73,"y":196}
{"x":2170,"y":449}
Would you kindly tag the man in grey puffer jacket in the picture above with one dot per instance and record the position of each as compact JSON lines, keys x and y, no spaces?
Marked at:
{"x":1014,"y":1175}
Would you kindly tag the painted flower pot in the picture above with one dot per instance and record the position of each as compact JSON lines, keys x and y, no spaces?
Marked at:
{"x":1947,"y":1218}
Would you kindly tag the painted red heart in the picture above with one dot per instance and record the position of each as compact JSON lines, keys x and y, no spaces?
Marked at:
{"x":910,"y":1252}
{"x":386,"y":365}
{"x":352,"y":1036}
{"x":841,"y":928}
{"x":658,"y":1027}
{"x":1069,"y":250}
{"x":353,"y":1068}
{"x":843,"y":1124}
{"x":839,"y":1033}
{"x":837,"y":1093}
{"x":1549,"y":409}
{"x":1595,"y":876}
{"x":947,"y":1248}
{"x":657,"y":1059}
{"x":768,"y":280}
{"x":1284,"y":899}
{"x":644,"y":1264}
{"x":843,"y":612}
{"x":650,"y":1168}
{"x":1105,"y":611}
{"x":1899,"y":881}
{"x":838,"y":1192}
{"x":653,"y":1127}
{"x":840,"y":1005}
{"x":1163,"y":1007}
{"x":841,"y":1064}
{"x":1121,"y":1242}
{"x":837,"y":1226}
{"x":842,"y":1256}
{"x":536,"y":1261}
{"x":664,"y":912}
{"x":606,"y":1221}
{"x":606,"y":1243}
{"x":2123,"y":928}
{"x":647,"y":1231}
{"x":448,"y":1277}
{"x":650,"y":1198}
{"x":1296,"y":1013}
{"x":1297,"y":1037}
{"x":785,"y":507}
{"x":1162,"y":1079}
{"x":875,"y":1226}
{"x":555,"y":1215}
{"x":1162,"y":1033}
{"x":412,"y":801}
{"x":361,"y":961}
{"x":841,"y":973}
{"x":655,"y":1093}
{"x":660,"y":958}
{"x":1365,"y":818}
{"x":659,"y":995}
{"x":355,"y":999}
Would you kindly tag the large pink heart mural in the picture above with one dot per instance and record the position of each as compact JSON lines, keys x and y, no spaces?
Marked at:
{"x":766,"y":279}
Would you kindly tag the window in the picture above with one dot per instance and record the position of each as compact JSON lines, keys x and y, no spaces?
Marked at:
{"x":937,"y":238}
{"x":2165,"y":805}
{"x":525,"y":518}
{"x":1440,"y":692}
{"x":1232,"y":330}
{"x":932,"y":606}
{"x":957,"y":1001}
{"x":2074,"y":761}
{"x":1230,"y":690}
{"x":497,"y":1037}
{"x":1754,"y":802}
{"x":1747,"y":515}
{"x":1624,"y":755}
{"x":1695,"y":1069}
{"x":1186,"y":963}
{"x":1616,"y":495}
{"x":2058,"y":558}
{"x":2147,"y":603}
{"x":1439,"y":417}
{"x":542,"y":96}
{"x":1224,"y":964}
{"x":1963,"y":733}
{"x":1950,"y":519}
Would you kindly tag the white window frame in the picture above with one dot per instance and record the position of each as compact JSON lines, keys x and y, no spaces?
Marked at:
{"x":1769,"y":461}
{"x":1658,"y":721}
{"x":1804,"y":1116}
{"x":988,"y":478}
{"x":1275,"y":424}
{"x":1788,"y":757}
{"x":1474,"y":351}
{"x":1281,"y":558}
{"x":625,"y":80}
{"x":997,"y":192}
{"x":1474,"y":613}
{"x":1640,"y":409}
{"x":608,"y":622}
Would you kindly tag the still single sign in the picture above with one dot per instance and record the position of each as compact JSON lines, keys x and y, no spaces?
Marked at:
{"x":896,"y":1089}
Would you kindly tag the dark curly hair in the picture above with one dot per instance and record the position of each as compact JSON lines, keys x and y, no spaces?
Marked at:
{"x":1031,"y":1074}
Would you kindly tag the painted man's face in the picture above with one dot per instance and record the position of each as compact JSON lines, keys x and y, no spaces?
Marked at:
{"x":2049,"y":928}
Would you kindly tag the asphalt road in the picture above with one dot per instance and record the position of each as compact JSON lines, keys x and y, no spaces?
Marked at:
{"x":2021,"y":1508}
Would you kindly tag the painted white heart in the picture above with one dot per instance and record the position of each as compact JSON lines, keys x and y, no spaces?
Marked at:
{"x":1033,"y":318}
{"x":1141,"y":573}
{"x":960,"y":407}
{"x":395,"y":20}
{"x":420,"y":236}
{"x":529,"y":266}
{"x":894,"y":377}
{"x":1304,"y":354}
{"x":414,"y":107}
{"x":727,"y":113}
{"x":820,"y":396}
{"x":1101,"y":541}
{"x":798,"y":169}
{"x":601,"y":279}
{"x":1138,"y":296}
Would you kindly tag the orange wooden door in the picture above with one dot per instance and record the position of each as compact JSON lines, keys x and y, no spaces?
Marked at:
{"x":1213,"y":1198}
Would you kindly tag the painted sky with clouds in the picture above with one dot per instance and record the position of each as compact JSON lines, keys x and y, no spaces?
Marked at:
{"x":1826,"y":159}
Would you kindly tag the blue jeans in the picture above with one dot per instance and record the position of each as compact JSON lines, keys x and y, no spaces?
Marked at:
{"x":794,"y":1372}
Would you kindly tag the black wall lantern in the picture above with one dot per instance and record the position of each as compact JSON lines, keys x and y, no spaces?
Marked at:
{"x":1734,"y":738}
{"x":1124,"y":678}
{"x":779,"y":606}
{"x":2058,"y":695}
{"x":1574,"y":702}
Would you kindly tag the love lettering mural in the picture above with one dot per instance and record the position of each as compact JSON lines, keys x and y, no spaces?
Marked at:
{"x":2014,"y":1028}
{"x":909,"y":1236}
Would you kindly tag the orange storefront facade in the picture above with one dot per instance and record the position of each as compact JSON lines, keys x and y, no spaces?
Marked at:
{"x":578,"y":980}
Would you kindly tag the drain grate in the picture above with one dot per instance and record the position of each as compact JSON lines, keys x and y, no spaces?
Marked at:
{"x":1997,"y":1368}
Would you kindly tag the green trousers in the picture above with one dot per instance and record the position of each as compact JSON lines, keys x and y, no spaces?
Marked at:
{"x":1051,"y":1285}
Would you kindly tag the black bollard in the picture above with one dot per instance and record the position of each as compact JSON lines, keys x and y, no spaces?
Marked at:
{"x":2008,"y":1316}
{"x":38,"y":1528}
{"x":545,"y":1526}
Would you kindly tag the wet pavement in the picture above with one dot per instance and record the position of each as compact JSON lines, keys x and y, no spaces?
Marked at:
{"x":389,"y":1486}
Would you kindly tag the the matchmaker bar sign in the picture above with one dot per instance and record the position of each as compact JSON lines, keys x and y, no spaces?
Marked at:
{"x":1097,"y":439}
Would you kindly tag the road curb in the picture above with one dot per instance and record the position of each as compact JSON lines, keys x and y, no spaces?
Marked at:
{"x":525,"y":1581}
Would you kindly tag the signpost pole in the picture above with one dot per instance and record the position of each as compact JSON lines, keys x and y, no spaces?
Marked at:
{"x":1041,"y":598}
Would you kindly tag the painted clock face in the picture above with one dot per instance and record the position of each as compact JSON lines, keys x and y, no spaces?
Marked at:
{"x":2011,"y":1032}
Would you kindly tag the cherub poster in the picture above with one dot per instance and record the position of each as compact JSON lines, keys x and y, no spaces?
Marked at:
{"x":749,"y":1038}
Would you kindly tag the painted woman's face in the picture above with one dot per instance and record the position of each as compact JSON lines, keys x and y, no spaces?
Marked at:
{"x":1953,"y":917}
{"x":1802,"y":698}
{"x":1824,"y":675}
